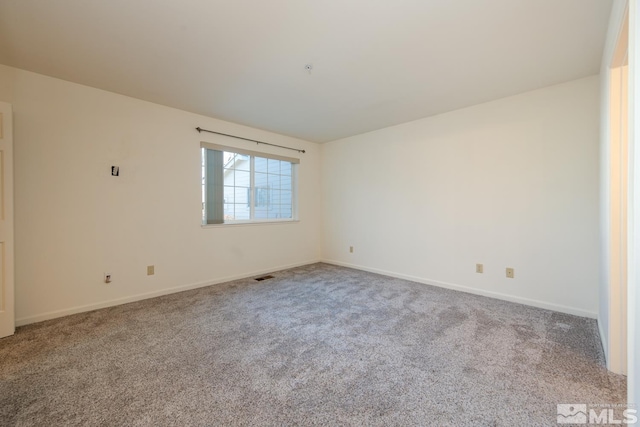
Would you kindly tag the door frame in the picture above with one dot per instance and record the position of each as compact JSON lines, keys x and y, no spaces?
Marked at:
{"x":7,"y":288}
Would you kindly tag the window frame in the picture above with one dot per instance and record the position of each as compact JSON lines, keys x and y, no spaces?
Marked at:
{"x":252,"y":190}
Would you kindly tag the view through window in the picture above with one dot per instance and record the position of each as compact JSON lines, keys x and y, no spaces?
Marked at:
{"x":242,"y":186}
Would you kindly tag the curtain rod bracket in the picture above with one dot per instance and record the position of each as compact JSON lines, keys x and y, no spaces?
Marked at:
{"x":200,"y":130}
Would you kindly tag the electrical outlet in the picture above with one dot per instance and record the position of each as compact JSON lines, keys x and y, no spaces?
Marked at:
{"x":351,"y":249}
{"x":107,"y":277}
{"x":510,"y":273}
{"x":479,"y":268}
{"x":151,"y":270}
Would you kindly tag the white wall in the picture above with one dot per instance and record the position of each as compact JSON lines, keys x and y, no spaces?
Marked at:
{"x":75,"y":221}
{"x":509,"y":183}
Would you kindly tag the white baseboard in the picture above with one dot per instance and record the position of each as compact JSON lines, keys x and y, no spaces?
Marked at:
{"x":118,"y":301}
{"x":496,"y":295}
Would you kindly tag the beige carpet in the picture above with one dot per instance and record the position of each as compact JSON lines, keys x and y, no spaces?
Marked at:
{"x":315,"y":345}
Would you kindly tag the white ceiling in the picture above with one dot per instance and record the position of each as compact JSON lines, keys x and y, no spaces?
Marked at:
{"x":376,"y":63}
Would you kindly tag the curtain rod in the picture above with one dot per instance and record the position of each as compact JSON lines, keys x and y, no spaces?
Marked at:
{"x":199,"y":129}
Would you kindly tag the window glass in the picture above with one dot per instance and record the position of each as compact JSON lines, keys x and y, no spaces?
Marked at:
{"x":238,"y":187}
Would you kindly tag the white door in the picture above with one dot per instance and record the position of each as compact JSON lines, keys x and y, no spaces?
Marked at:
{"x":7,"y":312}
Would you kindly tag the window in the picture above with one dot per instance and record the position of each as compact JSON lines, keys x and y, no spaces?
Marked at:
{"x":245,"y":186}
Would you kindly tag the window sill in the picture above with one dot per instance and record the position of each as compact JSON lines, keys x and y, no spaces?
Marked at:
{"x":251,"y":223}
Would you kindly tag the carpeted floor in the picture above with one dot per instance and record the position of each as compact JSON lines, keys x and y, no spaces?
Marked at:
{"x":315,"y":345}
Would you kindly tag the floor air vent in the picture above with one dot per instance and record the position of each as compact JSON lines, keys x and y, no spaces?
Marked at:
{"x":260,"y":279}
